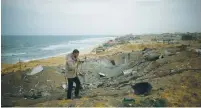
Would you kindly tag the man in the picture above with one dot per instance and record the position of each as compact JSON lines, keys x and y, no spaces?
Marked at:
{"x":72,"y":62}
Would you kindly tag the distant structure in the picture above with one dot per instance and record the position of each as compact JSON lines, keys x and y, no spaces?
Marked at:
{"x":187,"y":36}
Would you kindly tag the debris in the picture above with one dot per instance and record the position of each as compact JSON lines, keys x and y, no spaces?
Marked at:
{"x":167,"y":53}
{"x":147,"y":49}
{"x":152,"y":57}
{"x":142,"y":88}
{"x":198,"y":51}
{"x":128,"y":102}
{"x":36,"y":84}
{"x":49,"y":80}
{"x":102,"y":74}
{"x":33,"y":94}
{"x":36,"y":70}
{"x":177,"y":52}
{"x":182,"y":47}
{"x":64,"y":86}
{"x":45,"y":94}
{"x":161,"y":56}
{"x":112,"y":61}
{"x":100,"y":85}
{"x":126,"y":72}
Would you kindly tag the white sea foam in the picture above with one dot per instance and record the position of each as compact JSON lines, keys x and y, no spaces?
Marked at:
{"x":79,"y":44}
{"x":54,"y":47}
{"x":12,"y":54}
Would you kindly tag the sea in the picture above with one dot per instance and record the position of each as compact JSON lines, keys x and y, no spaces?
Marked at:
{"x":28,"y":48}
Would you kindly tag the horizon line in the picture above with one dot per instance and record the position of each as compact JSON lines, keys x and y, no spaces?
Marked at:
{"x":93,"y":34}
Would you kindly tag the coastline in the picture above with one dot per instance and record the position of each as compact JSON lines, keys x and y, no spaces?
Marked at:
{"x":49,"y":61}
{"x":22,"y":66}
{"x":60,"y":60}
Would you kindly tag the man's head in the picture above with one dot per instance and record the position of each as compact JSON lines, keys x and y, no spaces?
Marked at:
{"x":75,"y":53}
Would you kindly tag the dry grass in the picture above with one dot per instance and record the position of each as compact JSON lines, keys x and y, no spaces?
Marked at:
{"x":54,"y":61}
{"x":186,"y":92}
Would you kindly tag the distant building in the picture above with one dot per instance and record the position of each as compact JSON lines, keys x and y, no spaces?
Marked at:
{"x":187,"y":36}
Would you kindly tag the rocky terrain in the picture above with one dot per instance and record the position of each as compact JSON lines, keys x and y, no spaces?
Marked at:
{"x":171,"y":69}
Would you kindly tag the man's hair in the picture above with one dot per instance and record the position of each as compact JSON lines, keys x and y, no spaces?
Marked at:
{"x":75,"y":51}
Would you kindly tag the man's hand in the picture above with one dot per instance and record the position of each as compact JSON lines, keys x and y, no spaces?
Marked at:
{"x":81,"y":74}
{"x":80,"y":62}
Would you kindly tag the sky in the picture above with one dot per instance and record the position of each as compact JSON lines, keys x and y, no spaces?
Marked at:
{"x":99,"y":17}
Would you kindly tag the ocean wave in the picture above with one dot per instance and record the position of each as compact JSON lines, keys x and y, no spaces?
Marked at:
{"x":40,"y":58}
{"x":12,"y":54}
{"x":79,"y":44}
{"x":91,"y":40}
{"x":53,"y":47}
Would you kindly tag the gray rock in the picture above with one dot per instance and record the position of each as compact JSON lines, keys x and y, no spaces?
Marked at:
{"x":152,"y":57}
{"x":198,"y":51}
{"x":167,"y":53}
{"x":36,"y":70}
{"x":128,"y":71}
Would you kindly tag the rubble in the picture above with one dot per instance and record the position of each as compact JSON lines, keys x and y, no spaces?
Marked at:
{"x":33,"y":94}
{"x":45,"y":94}
{"x":126,"y":72}
{"x":102,"y":74}
{"x":198,"y":51}
{"x":152,"y":57}
{"x":36,"y":70}
{"x":167,"y":53}
{"x":64,"y":86}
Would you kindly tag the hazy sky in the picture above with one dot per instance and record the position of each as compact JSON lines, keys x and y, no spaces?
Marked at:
{"x":65,"y":17}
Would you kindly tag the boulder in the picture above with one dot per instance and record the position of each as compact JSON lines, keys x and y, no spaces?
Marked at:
{"x":152,"y":57}
{"x":167,"y":53}
{"x":36,"y":70}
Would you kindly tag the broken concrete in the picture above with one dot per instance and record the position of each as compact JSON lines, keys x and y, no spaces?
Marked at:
{"x":152,"y":57}
{"x":36,"y":70}
{"x":127,"y":72}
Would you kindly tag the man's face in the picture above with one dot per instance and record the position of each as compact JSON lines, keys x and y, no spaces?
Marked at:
{"x":76,"y":55}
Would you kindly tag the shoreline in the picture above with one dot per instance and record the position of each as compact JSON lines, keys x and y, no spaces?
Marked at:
{"x":46,"y":51}
{"x":125,"y":47}
{"x":60,"y":60}
{"x":49,"y":61}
